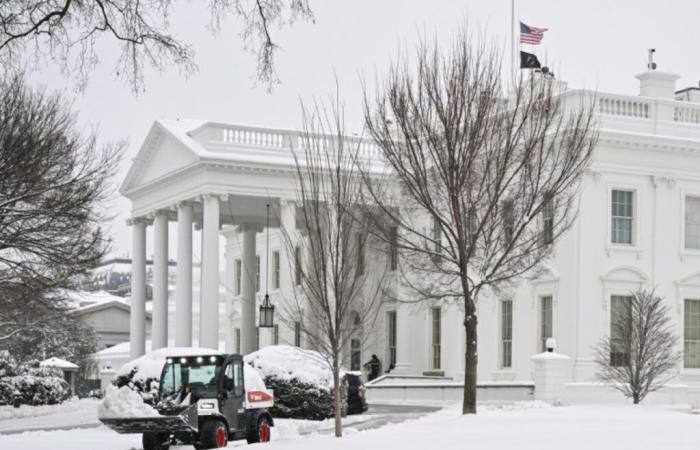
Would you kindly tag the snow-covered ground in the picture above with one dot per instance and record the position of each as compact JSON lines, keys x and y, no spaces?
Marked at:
{"x":71,"y":413}
{"x":521,"y":426}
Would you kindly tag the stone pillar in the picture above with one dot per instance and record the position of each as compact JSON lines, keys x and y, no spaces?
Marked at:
{"x":209,"y":303}
{"x":183,"y":286}
{"x":552,"y":372}
{"x":248,"y":270}
{"x":137,"y":334}
{"x":159,"y":330}
{"x":404,"y":363}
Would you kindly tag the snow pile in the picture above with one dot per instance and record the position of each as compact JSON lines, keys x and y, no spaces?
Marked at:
{"x":124,"y":402}
{"x":285,"y":362}
{"x":300,"y":379}
{"x":252,"y":379}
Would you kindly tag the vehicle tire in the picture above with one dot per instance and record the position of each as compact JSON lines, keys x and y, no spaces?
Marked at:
{"x":155,"y":441}
{"x":261,"y":433}
{"x":213,"y":434}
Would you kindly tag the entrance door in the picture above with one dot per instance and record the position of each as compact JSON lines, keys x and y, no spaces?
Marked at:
{"x":233,"y":393}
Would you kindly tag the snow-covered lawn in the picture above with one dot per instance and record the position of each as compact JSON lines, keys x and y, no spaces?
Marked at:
{"x":74,"y":404}
{"x":511,"y":427}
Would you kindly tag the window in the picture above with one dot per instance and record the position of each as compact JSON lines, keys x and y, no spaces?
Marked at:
{"x":275,"y":270}
{"x":297,"y":266}
{"x":355,"y":354}
{"x":360,"y":254}
{"x":508,"y":219}
{"x":691,"y":334}
{"x":276,"y":335}
{"x":233,"y":378}
{"x":257,"y":273}
{"x":238,"y":276}
{"x":393,"y":248}
{"x":437,"y":325}
{"x":391,"y":322}
{"x":437,"y":240}
{"x":620,"y":315}
{"x":545,"y":321}
{"x":506,"y":333}
{"x":238,"y":340}
{"x":622,"y":208}
{"x":548,"y":220}
{"x":297,"y":334}
{"x":692,"y":223}
{"x":257,"y":338}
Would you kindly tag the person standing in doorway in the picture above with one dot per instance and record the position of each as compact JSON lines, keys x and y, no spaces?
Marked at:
{"x":374,"y":367}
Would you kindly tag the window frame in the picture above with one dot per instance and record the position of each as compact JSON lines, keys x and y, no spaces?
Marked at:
{"x":685,"y":340}
{"x":502,"y":338}
{"x":436,"y":338}
{"x":636,"y":208}
{"x":685,"y":251}
{"x":541,"y":315}
{"x":392,"y":337}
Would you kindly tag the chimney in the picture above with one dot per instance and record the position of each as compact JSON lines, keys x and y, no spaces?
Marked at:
{"x":657,"y":84}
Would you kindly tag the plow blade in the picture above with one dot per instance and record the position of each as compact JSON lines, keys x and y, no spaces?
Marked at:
{"x":187,"y":422}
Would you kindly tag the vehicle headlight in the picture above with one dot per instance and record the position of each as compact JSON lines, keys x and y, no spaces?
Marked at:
{"x":206,"y":406}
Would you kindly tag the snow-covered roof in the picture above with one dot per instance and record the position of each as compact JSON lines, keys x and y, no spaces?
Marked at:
{"x":82,"y":299}
{"x":58,"y":363}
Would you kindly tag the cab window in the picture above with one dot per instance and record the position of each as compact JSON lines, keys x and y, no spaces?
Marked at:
{"x":233,"y":378}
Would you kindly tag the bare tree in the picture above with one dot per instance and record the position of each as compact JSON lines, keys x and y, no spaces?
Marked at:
{"x":480,"y":182}
{"x":337,"y":287}
{"x":53,"y":182}
{"x":66,"y":31}
{"x":639,"y":355}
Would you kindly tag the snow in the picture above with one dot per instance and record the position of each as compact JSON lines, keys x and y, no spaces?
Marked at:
{"x":549,"y":355}
{"x":526,"y":426}
{"x":59,"y":363}
{"x":124,"y":402}
{"x":252,"y":379}
{"x":151,"y":364}
{"x":286,"y":362}
{"x":25,"y":411}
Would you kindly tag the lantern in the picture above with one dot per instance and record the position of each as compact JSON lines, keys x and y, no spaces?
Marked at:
{"x":267,"y":313}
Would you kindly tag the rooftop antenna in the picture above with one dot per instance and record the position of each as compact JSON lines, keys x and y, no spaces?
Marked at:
{"x":651,"y":65}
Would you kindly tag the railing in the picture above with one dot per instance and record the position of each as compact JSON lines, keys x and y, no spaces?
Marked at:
{"x":283,"y":139}
{"x":687,"y":114}
{"x":624,"y":106}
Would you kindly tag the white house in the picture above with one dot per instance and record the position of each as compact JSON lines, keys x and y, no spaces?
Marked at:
{"x":638,"y":225}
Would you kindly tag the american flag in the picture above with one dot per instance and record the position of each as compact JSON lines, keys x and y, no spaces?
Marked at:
{"x":531,"y":35}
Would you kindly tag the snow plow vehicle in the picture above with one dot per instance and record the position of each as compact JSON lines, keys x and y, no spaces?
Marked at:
{"x":202,"y":401}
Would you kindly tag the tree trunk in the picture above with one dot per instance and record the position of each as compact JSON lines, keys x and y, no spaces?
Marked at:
{"x":470,"y":323}
{"x":635,"y":398}
{"x":336,"y":399}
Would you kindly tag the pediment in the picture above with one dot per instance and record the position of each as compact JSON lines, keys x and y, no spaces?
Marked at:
{"x":625,"y":274}
{"x":161,"y":154}
{"x":690,"y":280}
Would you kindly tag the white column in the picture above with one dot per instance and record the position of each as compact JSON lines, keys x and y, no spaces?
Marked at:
{"x":209,"y":306}
{"x":138,"y":288}
{"x":248,"y":270}
{"x":404,"y":364}
{"x":183,"y":283}
{"x":159,"y":330}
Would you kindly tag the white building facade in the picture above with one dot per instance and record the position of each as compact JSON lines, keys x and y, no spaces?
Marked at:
{"x":638,"y":226}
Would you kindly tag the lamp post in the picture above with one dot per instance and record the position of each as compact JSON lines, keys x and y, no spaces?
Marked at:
{"x":267,"y":309}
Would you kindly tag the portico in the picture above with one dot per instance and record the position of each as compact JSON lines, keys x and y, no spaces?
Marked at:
{"x":212,"y":180}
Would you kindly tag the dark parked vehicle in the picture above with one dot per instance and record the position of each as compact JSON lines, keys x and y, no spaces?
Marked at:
{"x":357,"y":400}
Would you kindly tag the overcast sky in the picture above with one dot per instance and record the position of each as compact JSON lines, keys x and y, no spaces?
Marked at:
{"x":593,"y":44}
